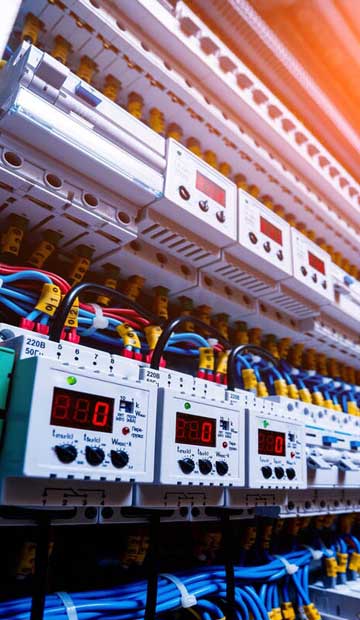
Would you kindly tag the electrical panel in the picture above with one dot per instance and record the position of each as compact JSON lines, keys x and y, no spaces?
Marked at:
{"x":68,"y":423}
{"x":264,"y":238}
{"x":198,"y":197}
{"x":202,"y":441}
{"x":275,"y":449}
{"x":311,"y":269}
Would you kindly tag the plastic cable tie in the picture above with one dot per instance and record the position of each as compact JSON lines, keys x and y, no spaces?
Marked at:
{"x":99,"y":321}
{"x":187,"y":599}
{"x":291,"y":569}
{"x":316,"y":553}
{"x":69,"y":605}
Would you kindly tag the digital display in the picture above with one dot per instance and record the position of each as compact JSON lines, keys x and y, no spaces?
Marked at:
{"x":80,"y":410}
{"x":211,"y":189}
{"x":195,"y":430}
{"x":316,"y":263}
{"x":270,"y":231}
{"x":271,"y":442}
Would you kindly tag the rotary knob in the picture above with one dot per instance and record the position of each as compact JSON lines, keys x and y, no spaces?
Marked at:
{"x":66,"y":453}
{"x":266,"y":471}
{"x":253,"y":238}
{"x":94,"y":456}
{"x":187,"y":466}
{"x":267,"y":246}
{"x":279,"y":472}
{"x":184,"y":192}
{"x":291,"y":473}
{"x":119,"y":458}
{"x":222,"y":468}
{"x":314,"y":277}
{"x":220,"y":216}
{"x":205,"y":466}
{"x":204,"y":205}
{"x":280,"y":255}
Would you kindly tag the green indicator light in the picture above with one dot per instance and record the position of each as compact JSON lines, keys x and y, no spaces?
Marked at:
{"x":187,"y":406}
{"x":71,"y":380}
{"x":266,"y":423}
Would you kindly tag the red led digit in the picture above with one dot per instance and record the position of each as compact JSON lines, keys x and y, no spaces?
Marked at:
{"x":60,"y":410}
{"x":74,"y":409}
{"x":316,"y":263}
{"x":206,"y":432}
{"x":211,"y":189}
{"x":180,"y":429}
{"x":271,"y":442}
{"x":101,"y":413}
{"x":270,"y":230}
{"x":279,"y":444}
{"x":194,"y":430}
{"x":81,"y":410}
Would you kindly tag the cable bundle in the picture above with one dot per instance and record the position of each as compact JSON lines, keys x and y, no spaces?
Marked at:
{"x":259,"y":589}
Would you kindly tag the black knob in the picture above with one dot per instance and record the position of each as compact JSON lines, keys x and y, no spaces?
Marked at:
{"x":303,"y":270}
{"x":253,"y":238}
{"x":220,"y":215}
{"x":314,"y":277}
{"x":267,"y":246}
{"x":204,"y":205}
{"x":184,"y":193}
{"x":205,"y":466}
{"x":186,"y":465}
{"x":280,"y":255}
{"x":279,"y":472}
{"x":119,"y":458}
{"x":324,"y":284}
{"x":291,"y":473}
{"x":222,"y":468}
{"x":66,"y":453}
{"x":266,"y":471}
{"x":94,"y":456}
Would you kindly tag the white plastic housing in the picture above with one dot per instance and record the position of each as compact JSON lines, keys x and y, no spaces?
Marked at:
{"x":311,"y":270}
{"x":228,"y":446}
{"x":198,"y":197}
{"x":275,"y":448}
{"x":264,"y":238}
{"x":31,"y":439}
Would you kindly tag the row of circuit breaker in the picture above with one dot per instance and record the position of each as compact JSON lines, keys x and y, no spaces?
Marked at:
{"x":157,"y":190}
{"x":76,"y":415}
